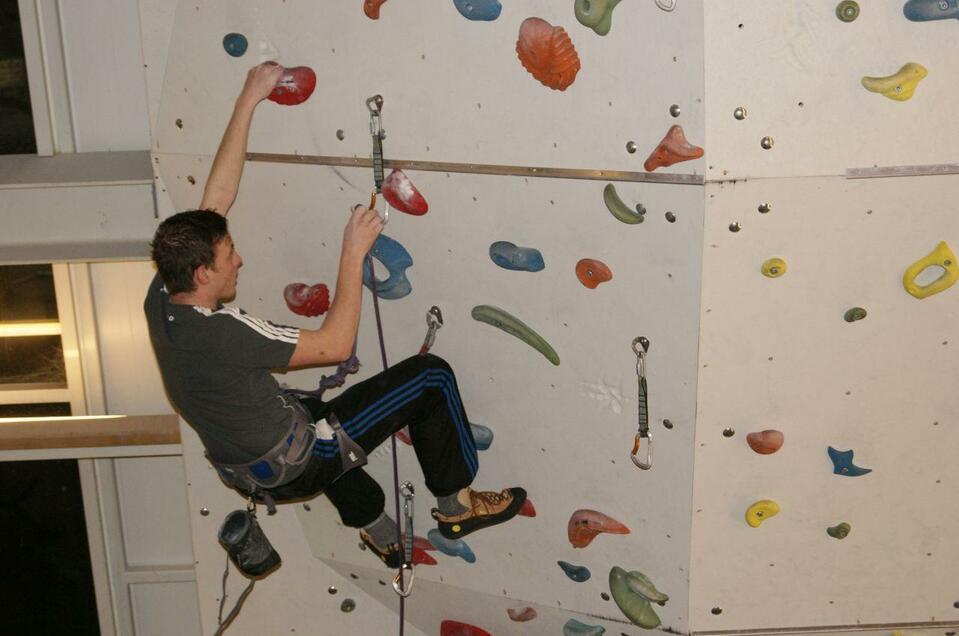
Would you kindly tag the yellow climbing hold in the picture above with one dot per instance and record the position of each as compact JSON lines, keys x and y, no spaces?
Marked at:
{"x":942,"y":257}
{"x":774,"y":268}
{"x":899,"y":86}
{"x":760,"y":511}
{"x":457,"y":528}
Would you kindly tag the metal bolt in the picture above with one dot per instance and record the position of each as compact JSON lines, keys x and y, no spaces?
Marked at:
{"x":667,"y":424}
{"x":604,"y":596}
{"x":674,"y":110}
{"x":332,"y":589}
{"x":190,"y":179}
{"x":348,"y":605}
{"x":340,"y":134}
{"x":847,"y":10}
{"x":179,"y":123}
{"x":729,"y":432}
{"x":766,"y":143}
{"x":205,"y":511}
{"x":631,"y":147}
{"x":735,"y":226}
{"x":764,"y":208}
{"x":670,"y":217}
{"x":307,"y":507}
{"x":717,"y":610}
{"x":740,"y":113}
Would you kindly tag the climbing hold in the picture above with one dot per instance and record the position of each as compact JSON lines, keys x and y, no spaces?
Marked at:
{"x":404,"y":434}
{"x":840,"y":531}
{"x":596,"y":14}
{"x":527,"y":509}
{"x":760,"y":511}
{"x":421,"y":543}
{"x":402,"y":195}
{"x":235,"y":44}
{"x":307,"y":300}
{"x":456,"y":628}
{"x":522,"y":614}
{"x":842,"y":463}
{"x":847,"y":10}
{"x":451,"y":547}
{"x":578,"y":573}
{"x":547,"y":53}
{"x":294,"y":87}
{"x":486,"y":10}
{"x":854,"y":314}
{"x":901,"y":85}
{"x":619,"y":209}
{"x":765,"y":442}
{"x":634,"y":605}
{"x":509,"y":256}
{"x":591,"y":272}
{"x":774,"y":268}
{"x":575,"y":628}
{"x":942,"y":257}
{"x":515,"y":327}
{"x":925,"y":10}
{"x":396,"y":260}
{"x":482,"y":436}
{"x":421,"y":557}
{"x":585,"y":524}
{"x":672,"y":149}
{"x":666,"y":5}
{"x":372,"y":8}
{"x":640,"y":583}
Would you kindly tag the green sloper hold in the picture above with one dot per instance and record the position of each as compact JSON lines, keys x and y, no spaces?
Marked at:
{"x":840,"y":531}
{"x":618,"y":208}
{"x":640,"y":583}
{"x":596,"y":14}
{"x":634,"y":605}
{"x":515,"y":327}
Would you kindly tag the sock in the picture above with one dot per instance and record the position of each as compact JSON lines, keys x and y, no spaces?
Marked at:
{"x":382,"y":531}
{"x":449,"y":505}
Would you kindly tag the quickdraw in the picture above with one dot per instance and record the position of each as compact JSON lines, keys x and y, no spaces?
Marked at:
{"x":375,"y":105}
{"x":434,"y":321}
{"x":640,"y":348}
{"x":401,"y":588}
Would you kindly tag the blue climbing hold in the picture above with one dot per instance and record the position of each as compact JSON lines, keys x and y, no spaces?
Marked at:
{"x":509,"y":256}
{"x":575,"y":628}
{"x":451,"y":547}
{"x":235,"y":44}
{"x":578,"y":573}
{"x":925,"y":10}
{"x":486,"y":10}
{"x":842,"y":463}
{"x":482,"y":436}
{"x":396,"y":259}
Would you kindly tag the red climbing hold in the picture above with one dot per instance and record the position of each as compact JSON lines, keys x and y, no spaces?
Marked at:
{"x":372,"y":8}
{"x":672,"y":149}
{"x":404,"y":436}
{"x":307,"y":300}
{"x":456,"y":628}
{"x":521,"y":615}
{"x":527,"y":509}
{"x":402,"y":195}
{"x":584,"y":525}
{"x":295,"y":86}
{"x":420,"y":557}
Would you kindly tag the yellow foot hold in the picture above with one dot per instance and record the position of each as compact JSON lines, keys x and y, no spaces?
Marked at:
{"x":774,"y":268}
{"x":899,"y":86}
{"x":760,"y":511}
{"x":942,"y":257}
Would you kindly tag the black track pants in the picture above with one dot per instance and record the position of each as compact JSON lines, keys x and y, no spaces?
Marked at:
{"x":419,"y":392}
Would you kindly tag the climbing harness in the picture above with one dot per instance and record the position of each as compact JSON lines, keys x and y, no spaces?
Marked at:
{"x":434,"y":321}
{"x":643,"y":432}
{"x":407,"y":566}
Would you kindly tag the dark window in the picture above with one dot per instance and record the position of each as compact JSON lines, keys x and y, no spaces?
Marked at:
{"x":27,"y":293}
{"x":51,"y":409}
{"x":16,"y":132}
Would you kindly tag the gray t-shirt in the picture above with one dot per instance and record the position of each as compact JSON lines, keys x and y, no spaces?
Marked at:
{"x":216,"y":369}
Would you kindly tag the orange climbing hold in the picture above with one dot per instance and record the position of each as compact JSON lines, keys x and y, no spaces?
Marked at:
{"x":547,"y":53}
{"x":765,"y":442}
{"x":591,"y":272}
{"x":521,"y":615}
{"x":672,"y":149}
{"x":372,"y":8}
{"x":585,"y":524}
{"x":456,"y":628}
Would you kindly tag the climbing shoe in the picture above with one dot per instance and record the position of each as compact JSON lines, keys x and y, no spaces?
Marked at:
{"x":392,"y":556}
{"x":486,"y":508}
{"x":249,"y":549}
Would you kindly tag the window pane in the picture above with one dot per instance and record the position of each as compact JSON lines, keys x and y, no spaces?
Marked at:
{"x":27,"y":291}
{"x":50,"y":409}
{"x":16,"y":133}
{"x":33,"y":360}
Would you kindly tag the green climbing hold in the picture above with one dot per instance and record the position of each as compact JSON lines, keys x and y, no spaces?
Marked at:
{"x":618,"y":208}
{"x":854,"y":314}
{"x":840,"y":531}
{"x":596,"y":14}
{"x":847,"y":10}
{"x":634,"y":605}
{"x":512,"y":325}
{"x":640,"y":583}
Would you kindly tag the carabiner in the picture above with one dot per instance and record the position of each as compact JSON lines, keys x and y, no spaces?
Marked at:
{"x":434,"y":321}
{"x":398,"y":585}
{"x":648,"y":463}
{"x":386,"y":212}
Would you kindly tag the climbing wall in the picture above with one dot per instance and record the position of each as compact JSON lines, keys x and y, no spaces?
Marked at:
{"x":455,"y":91}
{"x":777,"y":351}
